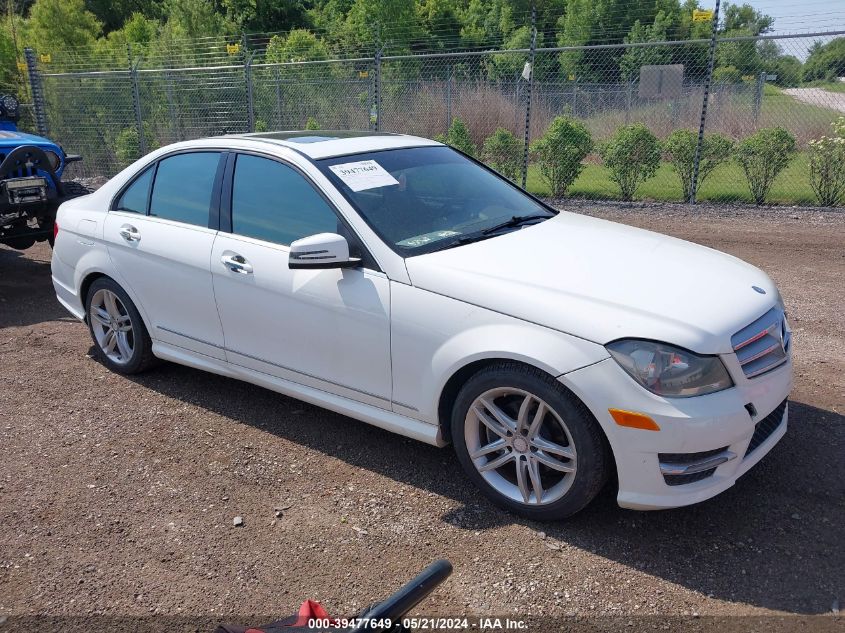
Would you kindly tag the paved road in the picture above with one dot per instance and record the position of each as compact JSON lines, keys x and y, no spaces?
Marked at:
{"x":819,"y":97}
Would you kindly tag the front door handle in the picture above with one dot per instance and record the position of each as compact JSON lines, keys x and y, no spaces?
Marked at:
{"x":129,"y":233}
{"x":237,"y":264}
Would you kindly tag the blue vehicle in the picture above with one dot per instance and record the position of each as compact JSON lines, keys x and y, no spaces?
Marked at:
{"x":31,"y":187}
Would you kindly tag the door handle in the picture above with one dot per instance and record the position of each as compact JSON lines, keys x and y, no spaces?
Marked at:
{"x":129,"y":233}
{"x":237,"y":264}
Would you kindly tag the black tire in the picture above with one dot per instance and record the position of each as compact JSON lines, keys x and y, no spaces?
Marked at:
{"x":142,"y":357}
{"x":73,"y":189}
{"x":593,"y":455}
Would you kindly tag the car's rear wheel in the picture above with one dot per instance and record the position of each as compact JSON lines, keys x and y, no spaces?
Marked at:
{"x":527,"y":443}
{"x":119,"y":334}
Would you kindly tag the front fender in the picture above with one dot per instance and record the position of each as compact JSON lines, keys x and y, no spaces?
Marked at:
{"x":433,"y":337}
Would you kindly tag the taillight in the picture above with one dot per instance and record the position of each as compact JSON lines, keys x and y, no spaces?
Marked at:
{"x":55,"y":230}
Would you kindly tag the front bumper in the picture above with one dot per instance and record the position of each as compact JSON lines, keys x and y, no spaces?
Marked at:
{"x":718,"y":423}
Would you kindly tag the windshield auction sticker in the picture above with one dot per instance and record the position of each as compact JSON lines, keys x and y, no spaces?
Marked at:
{"x":365,"y":174}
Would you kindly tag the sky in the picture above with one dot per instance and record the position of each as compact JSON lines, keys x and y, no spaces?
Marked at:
{"x":804,"y":16}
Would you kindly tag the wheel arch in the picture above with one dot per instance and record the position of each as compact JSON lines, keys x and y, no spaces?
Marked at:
{"x":453,"y":386}
{"x":454,"y":383}
{"x":93,"y":275}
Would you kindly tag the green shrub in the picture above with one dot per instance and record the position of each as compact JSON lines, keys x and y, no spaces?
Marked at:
{"x":762,"y":157}
{"x":458,"y":137}
{"x":632,"y":155}
{"x":827,"y":166}
{"x":727,"y":75}
{"x":560,"y":152}
{"x":679,"y":148}
{"x":503,"y":152}
{"x":311,"y":124}
{"x":260,"y":125}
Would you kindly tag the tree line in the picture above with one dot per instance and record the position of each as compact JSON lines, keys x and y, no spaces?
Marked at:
{"x":176,"y":32}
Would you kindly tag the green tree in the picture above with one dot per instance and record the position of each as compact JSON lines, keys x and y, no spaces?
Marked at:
{"x":560,"y":153}
{"x":826,"y":61}
{"x":638,"y":56}
{"x":632,"y":155}
{"x":439,"y":22}
{"x":55,"y":25}
{"x":762,"y":157}
{"x":371,"y":23}
{"x":196,"y":18}
{"x":299,"y":45}
{"x":266,"y":15}
{"x":746,"y":18}
{"x":113,"y":14}
{"x":510,"y":65}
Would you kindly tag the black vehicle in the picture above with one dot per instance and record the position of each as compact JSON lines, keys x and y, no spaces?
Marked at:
{"x":31,"y":187}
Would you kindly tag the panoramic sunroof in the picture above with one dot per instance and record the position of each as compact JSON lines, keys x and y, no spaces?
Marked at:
{"x":300,"y":136}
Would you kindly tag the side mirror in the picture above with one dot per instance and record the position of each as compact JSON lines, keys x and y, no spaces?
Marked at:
{"x":324,"y":250}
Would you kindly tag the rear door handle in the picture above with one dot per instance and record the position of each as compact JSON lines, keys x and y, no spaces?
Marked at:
{"x":129,"y":233}
{"x":237,"y":264}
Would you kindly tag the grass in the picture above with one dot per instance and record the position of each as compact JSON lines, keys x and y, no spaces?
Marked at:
{"x":832,"y":86}
{"x":727,"y":183}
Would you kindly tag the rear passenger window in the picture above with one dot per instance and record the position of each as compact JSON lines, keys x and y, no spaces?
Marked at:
{"x":134,"y":199}
{"x":183,"y":187}
{"x":275,"y":203}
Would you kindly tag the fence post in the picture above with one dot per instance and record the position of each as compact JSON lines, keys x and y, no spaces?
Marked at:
{"x":527,"y":136}
{"x":250,"y":97}
{"x":449,"y":98}
{"x":375,"y":111}
{"x":136,"y":102}
{"x":37,"y":92}
{"x":175,"y":128}
{"x":758,"y":94}
{"x":707,"y":82}
{"x":276,"y":76}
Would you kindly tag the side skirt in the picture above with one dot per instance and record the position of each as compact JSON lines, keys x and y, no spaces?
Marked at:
{"x":388,"y":420}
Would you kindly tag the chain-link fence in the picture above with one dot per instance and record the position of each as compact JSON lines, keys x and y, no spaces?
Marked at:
{"x":113,"y":117}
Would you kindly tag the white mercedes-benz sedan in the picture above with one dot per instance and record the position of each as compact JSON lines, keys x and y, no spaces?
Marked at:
{"x":397,"y":281}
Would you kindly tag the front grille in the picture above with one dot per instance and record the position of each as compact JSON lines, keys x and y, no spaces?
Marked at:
{"x":765,"y":427}
{"x":762,"y":345}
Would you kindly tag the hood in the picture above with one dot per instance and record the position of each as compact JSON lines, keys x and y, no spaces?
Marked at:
{"x":13,"y":138}
{"x":602,"y":281}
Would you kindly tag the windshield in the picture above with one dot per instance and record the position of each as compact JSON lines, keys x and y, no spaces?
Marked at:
{"x":423,"y":199}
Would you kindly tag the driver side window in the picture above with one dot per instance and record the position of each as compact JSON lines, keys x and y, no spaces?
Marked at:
{"x":275,"y":203}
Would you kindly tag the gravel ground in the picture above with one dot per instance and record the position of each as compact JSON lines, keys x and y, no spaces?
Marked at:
{"x":117,"y":495}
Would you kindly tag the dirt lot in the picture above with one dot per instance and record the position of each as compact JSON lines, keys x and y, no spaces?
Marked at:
{"x":117,"y":495}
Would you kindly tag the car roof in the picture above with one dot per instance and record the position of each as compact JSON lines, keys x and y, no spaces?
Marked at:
{"x":328,"y":143}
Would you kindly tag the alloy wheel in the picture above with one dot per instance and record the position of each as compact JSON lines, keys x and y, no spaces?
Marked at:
{"x":112,"y":326}
{"x":520,"y":446}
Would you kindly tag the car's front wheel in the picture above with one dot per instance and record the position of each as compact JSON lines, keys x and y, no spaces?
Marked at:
{"x":527,"y":443}
{"x":119,"y":334}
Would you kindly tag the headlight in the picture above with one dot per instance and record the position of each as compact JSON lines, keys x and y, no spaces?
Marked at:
{"x":668,"y":370}
{"x":11,"y":104}
{"x":54,"y":159}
